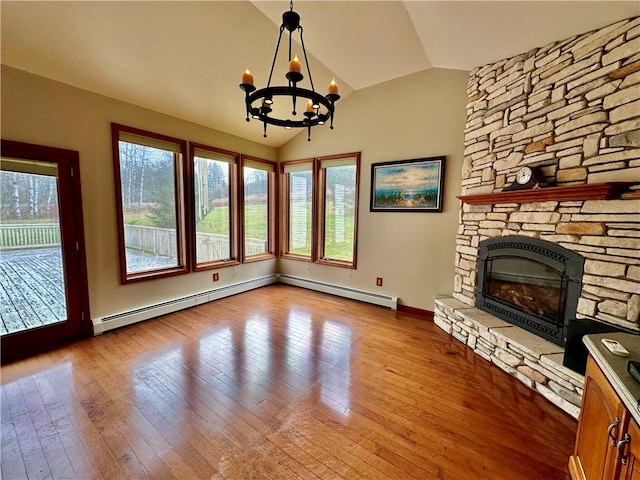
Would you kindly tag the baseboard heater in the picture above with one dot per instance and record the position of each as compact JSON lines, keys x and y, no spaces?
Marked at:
{"x":133,"y":316}
{"x":347,"y":292}
{"x":138,"y":315}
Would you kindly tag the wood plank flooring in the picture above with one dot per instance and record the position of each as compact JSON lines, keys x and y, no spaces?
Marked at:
{"x":276,"y":383}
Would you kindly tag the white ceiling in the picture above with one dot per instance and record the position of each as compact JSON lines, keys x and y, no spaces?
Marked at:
{"x":185,"y":59}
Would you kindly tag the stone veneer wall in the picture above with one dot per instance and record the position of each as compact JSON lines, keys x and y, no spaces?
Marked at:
{"x":573,"y":109}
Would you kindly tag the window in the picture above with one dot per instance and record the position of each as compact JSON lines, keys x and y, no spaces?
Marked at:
{"x":215,"y":207}
{"x":338,"y":209}
{"x":258,"y":208}
{"x":297,"y":181}
{"x":321,"y":223}
{"x":149,"y":178}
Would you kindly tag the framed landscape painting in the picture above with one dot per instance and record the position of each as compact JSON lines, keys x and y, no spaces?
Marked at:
{"x":407,"y":185}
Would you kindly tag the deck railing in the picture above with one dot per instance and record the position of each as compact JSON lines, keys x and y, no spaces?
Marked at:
{"x":156,"y":241}
{"x":212,"y":246}
{"x":162,"y":242}
{"x":150,"y":240}
{"x":25,"y":236}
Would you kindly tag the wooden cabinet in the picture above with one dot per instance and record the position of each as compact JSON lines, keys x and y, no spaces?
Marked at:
{"x":630,"y":469}
{"x":608,"y":439}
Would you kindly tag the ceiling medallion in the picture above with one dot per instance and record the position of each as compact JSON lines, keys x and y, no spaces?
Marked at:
{"x":260,"y":104}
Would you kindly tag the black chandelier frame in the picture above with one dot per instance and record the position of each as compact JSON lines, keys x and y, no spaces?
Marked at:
{"x":264,"y":96}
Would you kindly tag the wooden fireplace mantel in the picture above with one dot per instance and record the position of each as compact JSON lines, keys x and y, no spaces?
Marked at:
{"x":591,"y":191}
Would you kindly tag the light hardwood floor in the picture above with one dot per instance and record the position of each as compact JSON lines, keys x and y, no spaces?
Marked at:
{"x":276,"y":383}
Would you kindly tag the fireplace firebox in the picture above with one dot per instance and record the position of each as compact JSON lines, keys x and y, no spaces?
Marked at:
{"x":531,"y":283}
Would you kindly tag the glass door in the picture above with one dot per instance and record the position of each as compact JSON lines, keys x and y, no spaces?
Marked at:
{"x":43,"y":294}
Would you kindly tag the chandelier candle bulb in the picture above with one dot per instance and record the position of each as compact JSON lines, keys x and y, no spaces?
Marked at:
{"x":294,"y":65}
{"x":311,"y":108}
{"x":333,"y":87}
{"x":247,"y":77}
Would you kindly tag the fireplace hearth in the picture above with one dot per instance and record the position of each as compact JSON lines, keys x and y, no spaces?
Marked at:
{"x":531,"y":283}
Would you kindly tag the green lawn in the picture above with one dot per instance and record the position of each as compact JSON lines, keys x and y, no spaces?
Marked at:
{"x":336,"y":251}
{"x":33,"y":221}
{"x":342,"y":250}
{"x":217,"y":221}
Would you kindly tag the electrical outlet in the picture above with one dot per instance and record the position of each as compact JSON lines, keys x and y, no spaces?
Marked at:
{"x":216,"y":277}
{"x":379,"y":281}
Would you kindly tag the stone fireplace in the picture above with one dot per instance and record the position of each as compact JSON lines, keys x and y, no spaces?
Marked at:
{"x":572,"y":110}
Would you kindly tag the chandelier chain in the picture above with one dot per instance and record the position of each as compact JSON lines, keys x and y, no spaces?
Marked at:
{"x":273,"y":64}
{"x":306,"y":60}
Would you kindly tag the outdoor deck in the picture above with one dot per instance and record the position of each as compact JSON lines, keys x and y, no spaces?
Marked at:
{"x":31,"y":289}
{"x":32,"y":286}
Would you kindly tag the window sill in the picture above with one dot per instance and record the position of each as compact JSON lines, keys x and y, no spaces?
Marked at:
{"x":336,"y":263}
{"x":215,"y":265}
{"x":293,"y":256}
{"x":154,"y":274}
{"x":259,"y":257}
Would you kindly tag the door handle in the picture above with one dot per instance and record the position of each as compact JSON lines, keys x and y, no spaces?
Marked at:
{"x":621,"y":444}
{"x":612,"y":427}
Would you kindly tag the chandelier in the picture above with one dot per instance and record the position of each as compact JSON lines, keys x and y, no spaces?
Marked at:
{"x":261,"y":104}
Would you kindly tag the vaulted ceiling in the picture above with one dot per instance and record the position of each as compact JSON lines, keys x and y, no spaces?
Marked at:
{"x":185,"y":59}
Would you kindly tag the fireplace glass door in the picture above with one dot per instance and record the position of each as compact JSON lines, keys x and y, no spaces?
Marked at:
{"x":529,"y":286}
{"x":532,"y":283}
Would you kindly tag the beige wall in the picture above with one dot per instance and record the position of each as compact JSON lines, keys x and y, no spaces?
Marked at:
{"x":41,"y":111}
{"x":421,"y":115}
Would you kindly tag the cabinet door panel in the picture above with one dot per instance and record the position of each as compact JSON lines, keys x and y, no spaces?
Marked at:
{"x":594,"y":455}
{"x":631,"y":471}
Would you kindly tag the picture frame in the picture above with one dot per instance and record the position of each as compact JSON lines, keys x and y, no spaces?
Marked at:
{"x":408,"y":185}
